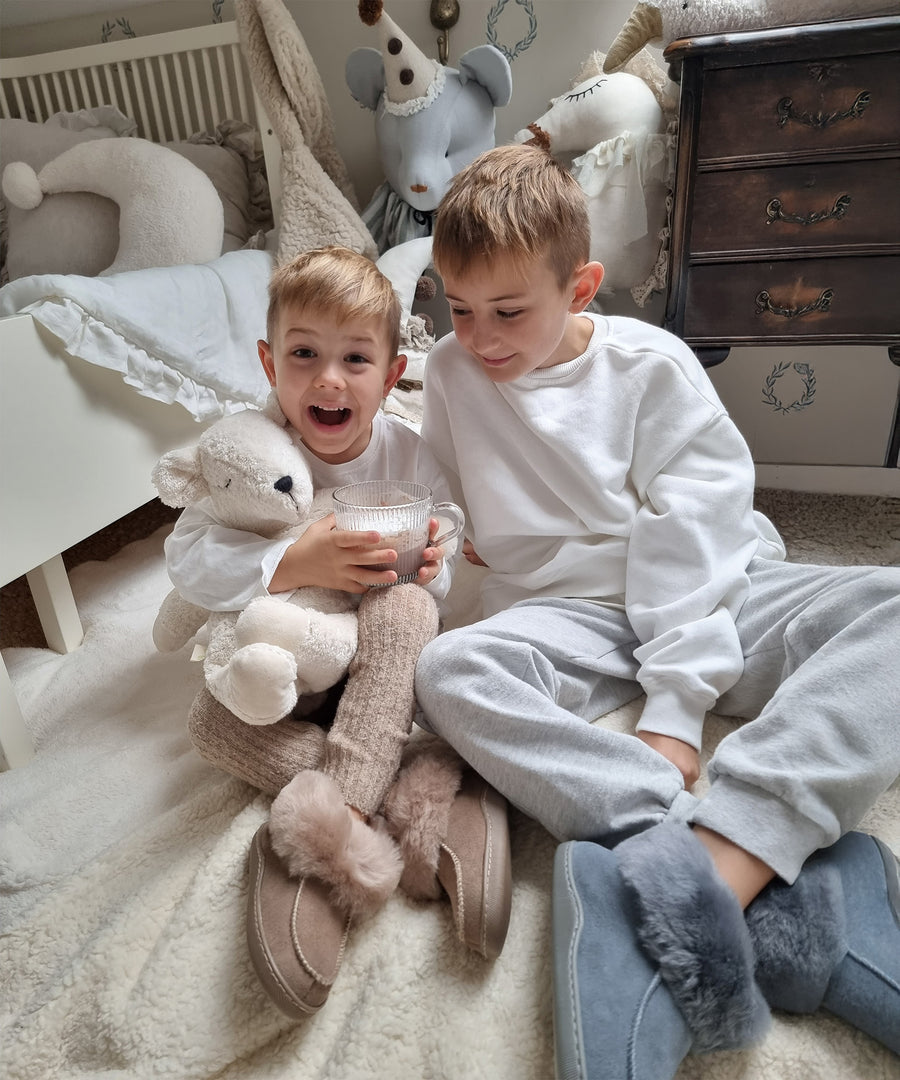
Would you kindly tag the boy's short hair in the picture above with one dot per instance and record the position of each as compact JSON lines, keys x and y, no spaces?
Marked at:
{"x":337,"y":281}
{"x":515,"y":201}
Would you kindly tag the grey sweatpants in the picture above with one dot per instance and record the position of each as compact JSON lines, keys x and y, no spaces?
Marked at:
{"x":820,"y":692}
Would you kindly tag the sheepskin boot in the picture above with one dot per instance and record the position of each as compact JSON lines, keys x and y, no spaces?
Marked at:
{"x":832,"y":939}
{"x":453,"y":833}
{"x":315,"y":868}
{"x":317,"y":835}
{"x":652,"y":958}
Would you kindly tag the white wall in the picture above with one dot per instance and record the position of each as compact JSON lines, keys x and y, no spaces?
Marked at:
{"x":567,"y":32}
{"x":848,"y":422}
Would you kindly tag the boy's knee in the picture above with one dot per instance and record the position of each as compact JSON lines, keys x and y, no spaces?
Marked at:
{"x":869,"y":595}
{"x":433,"y":658}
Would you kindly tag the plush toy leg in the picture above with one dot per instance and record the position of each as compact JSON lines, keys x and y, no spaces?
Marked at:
{"x":268,"y":758}
{"x":652,"y":958}
{"x":322,"y":643}
{"x":177,"y":622}
{"x":832,"y":939}
{"x":453,"y":833}
{"x":375,"y":714}
{"x":258,"y":684}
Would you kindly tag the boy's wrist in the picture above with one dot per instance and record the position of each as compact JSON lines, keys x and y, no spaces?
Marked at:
{"x":666,"y":712}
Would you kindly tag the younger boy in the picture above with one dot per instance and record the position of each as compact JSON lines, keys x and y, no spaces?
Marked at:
{"x":331,"y":356}
{"x":611,"y":497}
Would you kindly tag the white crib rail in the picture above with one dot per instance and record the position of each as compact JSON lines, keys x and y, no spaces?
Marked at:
{"x":172,"y":84}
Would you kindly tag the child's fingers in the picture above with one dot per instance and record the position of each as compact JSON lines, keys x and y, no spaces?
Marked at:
{"x":346,"y":538}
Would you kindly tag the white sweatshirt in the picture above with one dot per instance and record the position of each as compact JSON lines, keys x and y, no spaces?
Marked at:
{"x":616,"y":477}
{"x":223,"y":569}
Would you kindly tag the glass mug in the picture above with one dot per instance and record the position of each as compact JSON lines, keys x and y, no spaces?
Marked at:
{"x":400,"y":510}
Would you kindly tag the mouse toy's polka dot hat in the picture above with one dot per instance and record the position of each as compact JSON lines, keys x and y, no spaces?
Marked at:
{"x":411,"y":80}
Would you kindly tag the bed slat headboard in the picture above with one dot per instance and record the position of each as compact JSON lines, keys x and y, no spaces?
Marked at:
{"x":172,"y":85}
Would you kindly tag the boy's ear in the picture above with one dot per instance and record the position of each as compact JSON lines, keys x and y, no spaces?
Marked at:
{"x":396,"y":369}
{"x":586,"y":282}
{"x":266,"y":359}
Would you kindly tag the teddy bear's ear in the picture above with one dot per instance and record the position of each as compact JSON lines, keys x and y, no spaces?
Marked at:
{"x":178,"y":479}
{"x":273,"y":410}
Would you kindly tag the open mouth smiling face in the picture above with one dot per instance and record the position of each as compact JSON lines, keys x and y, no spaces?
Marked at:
{"x":329,"y":416}
{"x":331,"y":374}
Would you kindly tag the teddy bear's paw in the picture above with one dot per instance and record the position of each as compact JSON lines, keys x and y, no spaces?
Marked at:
{"x":258,"y":684}
{"x":317,"y":835}
{"x":177,"y":622}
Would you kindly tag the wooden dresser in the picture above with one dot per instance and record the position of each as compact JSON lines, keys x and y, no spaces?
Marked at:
{"x":786,"y":217}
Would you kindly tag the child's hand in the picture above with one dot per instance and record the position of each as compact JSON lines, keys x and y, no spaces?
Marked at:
{"x":433,"y":556}
{"x":471,"y":555}
{"x":335,"y":559}
{"x":682,"y":755}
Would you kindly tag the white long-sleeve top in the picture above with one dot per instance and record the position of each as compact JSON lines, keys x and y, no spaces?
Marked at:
{"x":223,"y":569}
{"x":616,"y":477}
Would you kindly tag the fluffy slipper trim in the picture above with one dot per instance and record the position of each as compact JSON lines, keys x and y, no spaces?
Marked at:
{"x":314,"y":833}
{"x":692,"y":926}
{"x":417,"y":810}
{"x":799,"y":935}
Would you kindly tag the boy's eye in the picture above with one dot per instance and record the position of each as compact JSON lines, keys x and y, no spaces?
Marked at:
{"x":303,"y":353}
{"x":458,"y":311}
{"x":356,"y":358}
{"x":509,"y":314}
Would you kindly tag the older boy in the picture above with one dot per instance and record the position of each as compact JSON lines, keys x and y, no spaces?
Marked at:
{"x":331,"y":356}
{"x":611,"y":497}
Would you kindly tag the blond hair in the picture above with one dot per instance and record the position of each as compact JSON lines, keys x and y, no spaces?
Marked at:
{"x":340,"y":282}
{"x":517,"y":202}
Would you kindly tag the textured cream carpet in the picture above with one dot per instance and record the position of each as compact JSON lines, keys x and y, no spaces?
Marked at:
{"x":123,"y":884}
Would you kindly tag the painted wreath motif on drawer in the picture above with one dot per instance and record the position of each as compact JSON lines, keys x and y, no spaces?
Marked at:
{"x":809,"y":387}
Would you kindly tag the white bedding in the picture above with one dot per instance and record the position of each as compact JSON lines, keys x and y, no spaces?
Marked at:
{"x":123,"y":877}
{"x":149,"y":325}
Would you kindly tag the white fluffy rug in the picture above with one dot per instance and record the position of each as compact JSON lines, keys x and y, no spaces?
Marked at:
{"x":123,"y":876}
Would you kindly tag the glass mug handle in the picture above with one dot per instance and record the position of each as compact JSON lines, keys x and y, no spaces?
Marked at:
{"x":452,"y":511}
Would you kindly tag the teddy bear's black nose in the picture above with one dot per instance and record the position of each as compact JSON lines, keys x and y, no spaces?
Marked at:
{"x":284,"y":484}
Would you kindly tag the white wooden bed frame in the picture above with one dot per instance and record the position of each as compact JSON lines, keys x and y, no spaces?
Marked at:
{"x":77,"y":444}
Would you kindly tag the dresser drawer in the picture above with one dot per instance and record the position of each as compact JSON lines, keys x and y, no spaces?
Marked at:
{"x":809,"y":107}
{"x":811,"y":405}
{"x":840,"y":298}
{"x":797,"y":207}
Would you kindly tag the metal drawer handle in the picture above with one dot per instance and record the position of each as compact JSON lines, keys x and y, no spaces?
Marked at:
{"x":775,"y":211}
{"x":821,"y":303}
{"x":785,"y":110}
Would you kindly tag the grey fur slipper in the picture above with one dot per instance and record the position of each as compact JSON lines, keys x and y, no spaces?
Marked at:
{"x":832,"y":939}
{"x":692,"y":926}
{"x":651,"y":959}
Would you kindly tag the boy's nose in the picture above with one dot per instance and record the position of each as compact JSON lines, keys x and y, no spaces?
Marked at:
{"x":330,"y":375}
{"x":482,"y":339}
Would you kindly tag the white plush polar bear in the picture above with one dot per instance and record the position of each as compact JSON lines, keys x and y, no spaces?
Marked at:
{"x":169,"y":210}
{"x":261,"y":660}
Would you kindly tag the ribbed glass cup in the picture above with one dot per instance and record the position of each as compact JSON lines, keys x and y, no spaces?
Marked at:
{"x":400,"y":511}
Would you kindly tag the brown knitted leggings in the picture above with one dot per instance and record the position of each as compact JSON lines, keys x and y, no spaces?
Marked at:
{"x":372,"y":722}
